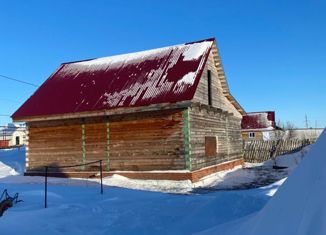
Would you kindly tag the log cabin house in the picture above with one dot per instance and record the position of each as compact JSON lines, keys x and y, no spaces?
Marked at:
{"x":165,"y":113}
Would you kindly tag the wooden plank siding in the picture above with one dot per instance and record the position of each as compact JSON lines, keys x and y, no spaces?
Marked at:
{"x":141,"y":141}
{"x":54,"y":145}
{"x":207,"y":121}
{"x":95,"y":141}
{"x":220,"y":119}
{"x":147,"y":143}
{"x":218,"y":97}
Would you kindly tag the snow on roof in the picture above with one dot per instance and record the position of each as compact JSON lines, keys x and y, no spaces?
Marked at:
{"x":165,"y":75}
{"x":258,"y":121}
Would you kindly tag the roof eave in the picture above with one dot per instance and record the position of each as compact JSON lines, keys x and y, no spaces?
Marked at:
{"x":107,"y":112}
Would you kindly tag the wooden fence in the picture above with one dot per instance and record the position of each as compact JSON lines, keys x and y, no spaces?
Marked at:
{"x":260,"y":151}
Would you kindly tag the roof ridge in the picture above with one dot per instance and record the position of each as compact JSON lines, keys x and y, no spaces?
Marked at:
{"x":136,"y":52}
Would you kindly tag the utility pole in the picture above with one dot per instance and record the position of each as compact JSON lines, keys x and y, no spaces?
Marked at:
{"x":306,"y":121}
{"x":315,"y":127}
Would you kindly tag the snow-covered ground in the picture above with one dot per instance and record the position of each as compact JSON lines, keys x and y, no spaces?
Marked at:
{"x":75,"y":206}
{"x":298,"y":207}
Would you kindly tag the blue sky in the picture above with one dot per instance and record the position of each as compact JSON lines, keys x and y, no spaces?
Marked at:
{"x":273,"y":52}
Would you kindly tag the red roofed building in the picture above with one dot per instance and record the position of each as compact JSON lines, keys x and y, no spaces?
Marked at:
{"x":165,"y":113}
{"x":260,"y":126}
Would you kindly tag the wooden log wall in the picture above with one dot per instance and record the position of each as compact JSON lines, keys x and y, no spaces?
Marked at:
{"x":220,"y":119}
{"x":260,"y":151}
{"x":147,"y":143}
{"x":54,"y":145}
{"x":208,"y":121}
{"x":142,"y":141}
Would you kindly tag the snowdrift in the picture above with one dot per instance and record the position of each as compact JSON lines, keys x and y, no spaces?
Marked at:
{"x":298,"y":207}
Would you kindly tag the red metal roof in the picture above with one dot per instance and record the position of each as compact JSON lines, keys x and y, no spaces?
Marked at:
{"x":164,"y":75}
{"x":258,"y":120}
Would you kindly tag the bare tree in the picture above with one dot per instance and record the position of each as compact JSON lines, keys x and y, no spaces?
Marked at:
{"x":280,"y":124}
{"x":279,"y":132}
{"x":289,"y":128}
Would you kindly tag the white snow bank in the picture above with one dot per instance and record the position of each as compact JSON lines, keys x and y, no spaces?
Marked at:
{"x":150,"y":185}
{"x":289,"y":160}
{"x":298,"y":207}
{"x":12,"y":162}
{"x":6,"y":170}
{"x":272,"y":189}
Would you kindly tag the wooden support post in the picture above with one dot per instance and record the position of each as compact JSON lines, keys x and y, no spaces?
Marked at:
{"x":227,"y":136}
{"x":101,"y":175}
{"x":83,"y":146}
{"x":46,"y":188}
{"x":107,"y":146}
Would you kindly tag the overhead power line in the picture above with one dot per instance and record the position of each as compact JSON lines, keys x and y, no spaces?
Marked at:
{"x":17,"y":80}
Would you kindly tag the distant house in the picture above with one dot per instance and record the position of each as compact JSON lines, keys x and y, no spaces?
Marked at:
{"x":260,"y":126}
{"x":159,"y":114}
{"x":12,"y":135}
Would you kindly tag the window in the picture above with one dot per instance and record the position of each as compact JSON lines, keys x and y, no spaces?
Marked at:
{"x":17,"y":140}
{"x":210,"y":145}
{"x":252,"y":135}
{"x":209,"y":87}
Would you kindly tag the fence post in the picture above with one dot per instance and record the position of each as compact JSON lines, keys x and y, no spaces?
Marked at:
{"x":46,"y":188}
{"x":101,"y":175}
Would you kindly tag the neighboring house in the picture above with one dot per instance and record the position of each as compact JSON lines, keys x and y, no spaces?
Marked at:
{"x":260,"y":126}
{"x":12,"y":135}
{"x":310,"y":134}
{"x":159,"y":114}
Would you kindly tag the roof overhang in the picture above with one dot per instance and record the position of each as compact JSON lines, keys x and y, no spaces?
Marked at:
{"x":225,"y":86}
{"x":109,"y":112}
